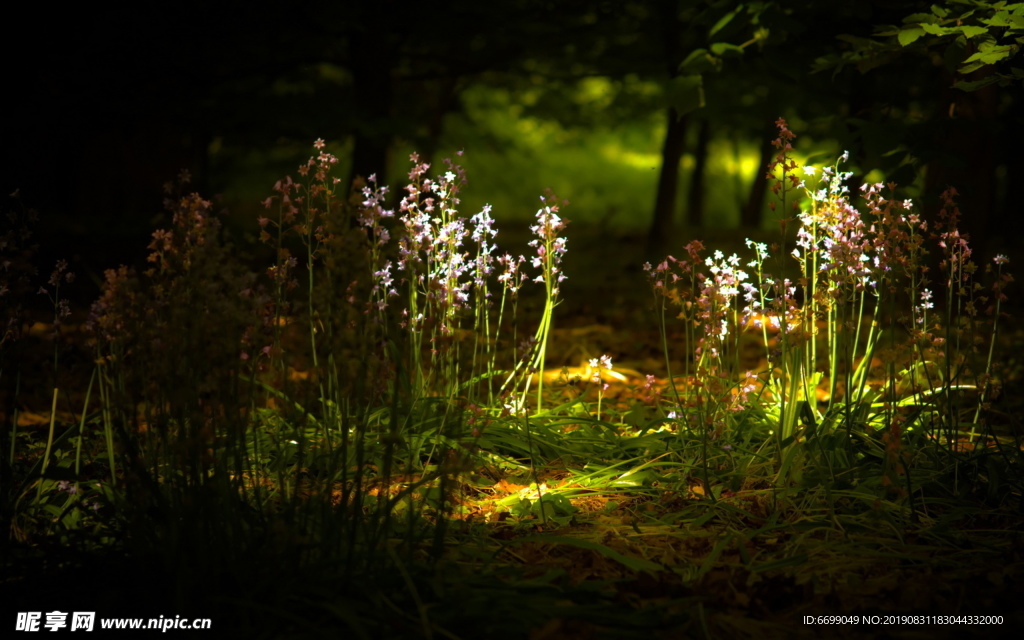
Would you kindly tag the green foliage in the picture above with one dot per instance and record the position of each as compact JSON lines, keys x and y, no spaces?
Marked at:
{"x":971,"y":36}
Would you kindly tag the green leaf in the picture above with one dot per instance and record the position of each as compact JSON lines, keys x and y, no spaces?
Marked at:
{"x":910,"y":34}
{"x":697,"y":62}
{"x":722,"y":22}
{"x":974,"y":85}
{"x":991,"y":55}
{"x":686,"y":93}
{"x":726,"y":50}
{"x":521,"y":508}
{"x":867,"y":44}
{"x":549,"y":512}
{"x":919,"y":17}
{"x":941,"y":12}
{"x":1013,"y":20}
{"x":985,"y":42}
{"x":970,"y":32}
{"x":935,"y":29}
{"x":635,"y":479}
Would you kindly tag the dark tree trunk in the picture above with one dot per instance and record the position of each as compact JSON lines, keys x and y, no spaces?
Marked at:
{"x":752,"y":215}
{"x":696,"y":197}
{"x":660,"y":231}
{"x":668,"y":184}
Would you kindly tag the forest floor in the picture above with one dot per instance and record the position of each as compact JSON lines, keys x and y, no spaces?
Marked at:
{"x":643,"y":563}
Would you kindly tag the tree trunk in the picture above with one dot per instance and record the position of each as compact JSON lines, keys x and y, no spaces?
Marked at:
{"x":695,"y":201}
{"x":660,"y":232}
{"x":752,"y":215}
{"x":668,"y":184}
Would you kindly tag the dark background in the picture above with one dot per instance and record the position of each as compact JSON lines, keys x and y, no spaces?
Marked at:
{"x":103,"y":106}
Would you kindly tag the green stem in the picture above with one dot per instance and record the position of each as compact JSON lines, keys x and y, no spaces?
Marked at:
{"x":49,"y":442}
{"x":991,"y":350}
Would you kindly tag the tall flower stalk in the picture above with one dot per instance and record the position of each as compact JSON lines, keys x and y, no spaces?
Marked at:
{"x":550,"y":248}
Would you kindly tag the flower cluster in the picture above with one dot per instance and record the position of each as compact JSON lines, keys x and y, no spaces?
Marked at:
{"x":483,"y":233}
{"x":303,"y":207}
{"x":549,"y":246}
{"x":511,"y":276}
{"x":60,"y":305}
{"x":675,"y":278}
{"x":183,"y":318}
{"x":956,"y":261}
{"x":786,"y":165}
{"x":192,"y":226}
{"x":373,"y":217}
{"x":113,"y":314}
{"x":832,"y":242}
{"x":440,"y":263}
{"x":432,"y":250}
{"x":715,"y":304}
{"x":596,"y":364}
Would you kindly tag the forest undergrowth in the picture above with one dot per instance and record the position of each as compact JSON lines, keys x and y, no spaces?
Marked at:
{"x":387,"y":432}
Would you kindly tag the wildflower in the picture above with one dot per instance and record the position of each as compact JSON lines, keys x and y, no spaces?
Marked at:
{"x":596,"y":364}
{"x":511,"y":277}
{"x":550,"y":247}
